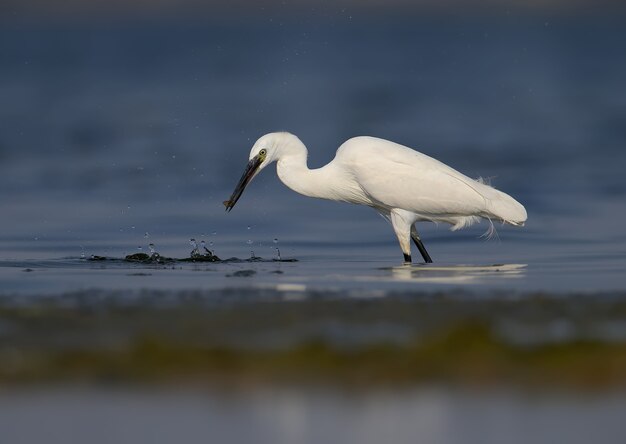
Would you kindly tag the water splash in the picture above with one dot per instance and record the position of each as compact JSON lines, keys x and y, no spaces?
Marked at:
{"x":200,"y":253}
{"x":194,"y":252}
{"x":154,"y":255}
{"x":275,"y":241}
{"x":204,"y":248}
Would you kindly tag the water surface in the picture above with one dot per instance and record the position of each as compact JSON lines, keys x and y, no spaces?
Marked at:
{"x":115,"y":136}
{"x":296,"y":416}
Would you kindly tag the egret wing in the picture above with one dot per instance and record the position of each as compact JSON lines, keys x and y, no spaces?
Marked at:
{"x":395,"y":176}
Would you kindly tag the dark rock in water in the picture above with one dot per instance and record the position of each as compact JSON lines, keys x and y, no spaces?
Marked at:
{"x":144,"y":258}
{"x":242,"y":273}
{"x":137,"y":257}
{"x":156,"y":258}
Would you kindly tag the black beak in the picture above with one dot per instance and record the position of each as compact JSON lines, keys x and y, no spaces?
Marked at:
{"x":247,"y":176}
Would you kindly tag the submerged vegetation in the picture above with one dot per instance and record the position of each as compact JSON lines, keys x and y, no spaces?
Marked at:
{"x":247,"y":336}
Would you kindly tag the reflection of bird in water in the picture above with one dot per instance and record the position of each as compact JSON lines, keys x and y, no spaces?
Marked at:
{"x":403,"y":185}
{"x":456,"y":273}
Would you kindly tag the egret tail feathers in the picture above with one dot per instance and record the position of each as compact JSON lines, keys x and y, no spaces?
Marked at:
{"x":507,"y":209}
{"x":501,"y":206}
{"x":498,"y":206}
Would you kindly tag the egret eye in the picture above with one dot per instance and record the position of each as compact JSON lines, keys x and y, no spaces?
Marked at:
{"x":263,"y":152}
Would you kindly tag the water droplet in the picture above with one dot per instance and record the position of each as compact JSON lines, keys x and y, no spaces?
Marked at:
{"x":203,"y":244}
{"x":151,"y":247}
{"x":249,"y":227}
{"x":249,"y":242}
{"x":214,"y":233}
{"x":275,"y":240}
{"x":193,"y":243}
{"x":211,"y":244}
{"x":278,"y":253}
{"x":139,"y":248}
{"x":147,"y":235}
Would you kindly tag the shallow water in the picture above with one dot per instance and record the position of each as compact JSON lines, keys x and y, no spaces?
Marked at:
{"x":308,"y":416}
{"x":115,"y":136}
{"x":326,"y":268}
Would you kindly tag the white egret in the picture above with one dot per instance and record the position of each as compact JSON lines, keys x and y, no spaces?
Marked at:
{"x":403,"y":185}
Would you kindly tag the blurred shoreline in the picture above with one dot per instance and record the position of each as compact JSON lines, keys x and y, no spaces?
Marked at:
{"x":244,"y":336}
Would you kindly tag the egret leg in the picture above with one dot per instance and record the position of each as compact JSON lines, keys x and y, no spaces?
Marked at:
{"x":420,"y":245}
{"x":402,"y":228}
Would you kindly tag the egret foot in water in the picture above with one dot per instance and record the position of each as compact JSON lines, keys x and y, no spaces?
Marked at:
{"x":403,"y":185}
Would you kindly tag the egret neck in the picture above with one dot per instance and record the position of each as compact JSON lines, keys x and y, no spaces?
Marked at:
{"x":328,"y":182}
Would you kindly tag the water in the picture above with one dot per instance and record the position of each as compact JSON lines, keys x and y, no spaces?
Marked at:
{"x":110,"y":133}
{"x":293,"y":416}
{"x":114,"y":136}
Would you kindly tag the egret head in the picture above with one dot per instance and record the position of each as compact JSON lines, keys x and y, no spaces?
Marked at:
{"x":262,"y":154}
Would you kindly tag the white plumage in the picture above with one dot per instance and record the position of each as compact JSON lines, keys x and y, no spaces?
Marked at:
{"x":402,"y":184}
